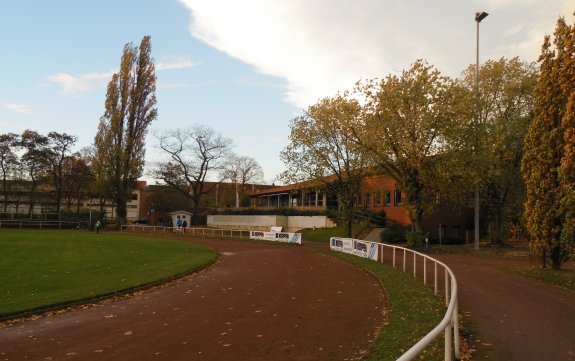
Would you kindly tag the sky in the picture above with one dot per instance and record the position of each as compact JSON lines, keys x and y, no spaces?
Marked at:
{"x":243,"y":67}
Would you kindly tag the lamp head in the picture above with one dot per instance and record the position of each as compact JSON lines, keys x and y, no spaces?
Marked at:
{"x":480,"y":16}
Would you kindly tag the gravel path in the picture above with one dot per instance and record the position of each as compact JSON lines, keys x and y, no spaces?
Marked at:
{"x":513,"y":318}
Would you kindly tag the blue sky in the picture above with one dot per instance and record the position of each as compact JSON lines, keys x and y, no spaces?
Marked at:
{"x":245,"y":68}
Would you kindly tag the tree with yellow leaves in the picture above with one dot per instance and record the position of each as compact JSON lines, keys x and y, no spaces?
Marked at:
{"x":548,"y":165}
{"x":130,"y":107}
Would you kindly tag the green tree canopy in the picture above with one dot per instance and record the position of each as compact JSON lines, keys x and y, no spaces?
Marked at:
{"x":60,"y":145}
{"x":506,"y":102}
{"x":8,"y":163}
{"x":35,"y":162}
{"x":414,"y":130}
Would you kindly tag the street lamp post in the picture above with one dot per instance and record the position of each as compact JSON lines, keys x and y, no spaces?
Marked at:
{"x":478,"y":17}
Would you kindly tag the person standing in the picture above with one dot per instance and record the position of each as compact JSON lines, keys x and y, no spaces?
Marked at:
{"x":184,"y":225}
{"x":98,"y":226}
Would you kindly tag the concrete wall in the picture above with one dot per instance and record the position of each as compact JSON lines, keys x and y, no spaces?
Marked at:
{"x":300,"y":222}
{"x":263,"y":223}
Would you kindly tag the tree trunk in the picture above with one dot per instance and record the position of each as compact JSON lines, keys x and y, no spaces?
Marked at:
{"x":121,"y":210}
{"x":349,"y":227}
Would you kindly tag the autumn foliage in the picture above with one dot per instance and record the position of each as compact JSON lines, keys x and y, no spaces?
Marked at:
{"x":549,"y":166}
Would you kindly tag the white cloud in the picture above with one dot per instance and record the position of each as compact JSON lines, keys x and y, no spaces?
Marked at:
{"x":181,"y":85}
{"x":322,"y":47}
{"x":18,"y":108}
{"x":78,"y":84}
{"x":181,"y":62}
{"x":71,"y":84}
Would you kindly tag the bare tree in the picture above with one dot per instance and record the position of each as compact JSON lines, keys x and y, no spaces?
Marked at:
{"x":242,"y":170}
{"x":60,"y":147}
{"x":194,"y":154}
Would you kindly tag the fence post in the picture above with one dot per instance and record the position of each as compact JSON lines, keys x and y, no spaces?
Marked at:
{"x":435,"y":289}
{"x":446,"y":289}
{"x":448,"y":337}
{"x":404,"y":259}
{"x":456,"y":329}
{"x":425,"y":270}
{"x":414,"y":264}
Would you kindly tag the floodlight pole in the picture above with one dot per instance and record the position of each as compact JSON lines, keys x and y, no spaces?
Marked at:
{"x":478,"y":17}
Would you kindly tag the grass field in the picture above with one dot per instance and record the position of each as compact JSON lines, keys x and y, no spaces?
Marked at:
{"x":563,"y":278}
{"x":45,"y":268}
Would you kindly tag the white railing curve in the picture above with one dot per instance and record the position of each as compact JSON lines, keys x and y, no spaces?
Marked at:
{"x":449,"y":325}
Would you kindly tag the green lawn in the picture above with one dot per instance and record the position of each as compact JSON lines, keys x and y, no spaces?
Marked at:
{"x":563,"y":278}
{"x":44,"y":268}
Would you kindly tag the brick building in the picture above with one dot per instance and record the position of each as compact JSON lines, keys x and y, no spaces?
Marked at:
{"x":377,"y":194}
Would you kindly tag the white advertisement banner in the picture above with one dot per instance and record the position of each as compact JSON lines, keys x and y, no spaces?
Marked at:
{"x":341,"y":244}
{"x":366,"y":249}
{"x":277,"y":236}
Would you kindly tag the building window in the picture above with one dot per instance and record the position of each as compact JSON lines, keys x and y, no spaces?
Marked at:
{"x":387,"y":199}
{"x":358,"y":200}
{"x":307,"y":199}
{"x":367,"y":200}
{"x":331,"y":201}
{"x":397,"y":198}
{"x":294,"y":200}
{"x":377,"y":200}
{"x":319,"y":199}
{"x":456,"y":232}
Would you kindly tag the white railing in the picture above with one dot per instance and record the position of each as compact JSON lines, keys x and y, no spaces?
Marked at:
{"x":41,"y":224}
{"x":212,"y":232}
{"x":449,"y":325}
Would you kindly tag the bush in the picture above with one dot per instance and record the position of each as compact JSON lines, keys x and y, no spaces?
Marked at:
{"x":415,"y":239}
{"x":394,"y":234}
{"x":445,"y":240}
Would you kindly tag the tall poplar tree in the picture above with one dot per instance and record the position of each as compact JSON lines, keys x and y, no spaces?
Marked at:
{"x":548,"y":162}
{"x":120,"y":141}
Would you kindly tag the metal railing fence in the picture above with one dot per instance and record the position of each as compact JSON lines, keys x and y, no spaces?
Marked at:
{"x":449,"y":325}
{"x":212,"y":232}
{"x":41,"y":224}
{"x":427,"y":268}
